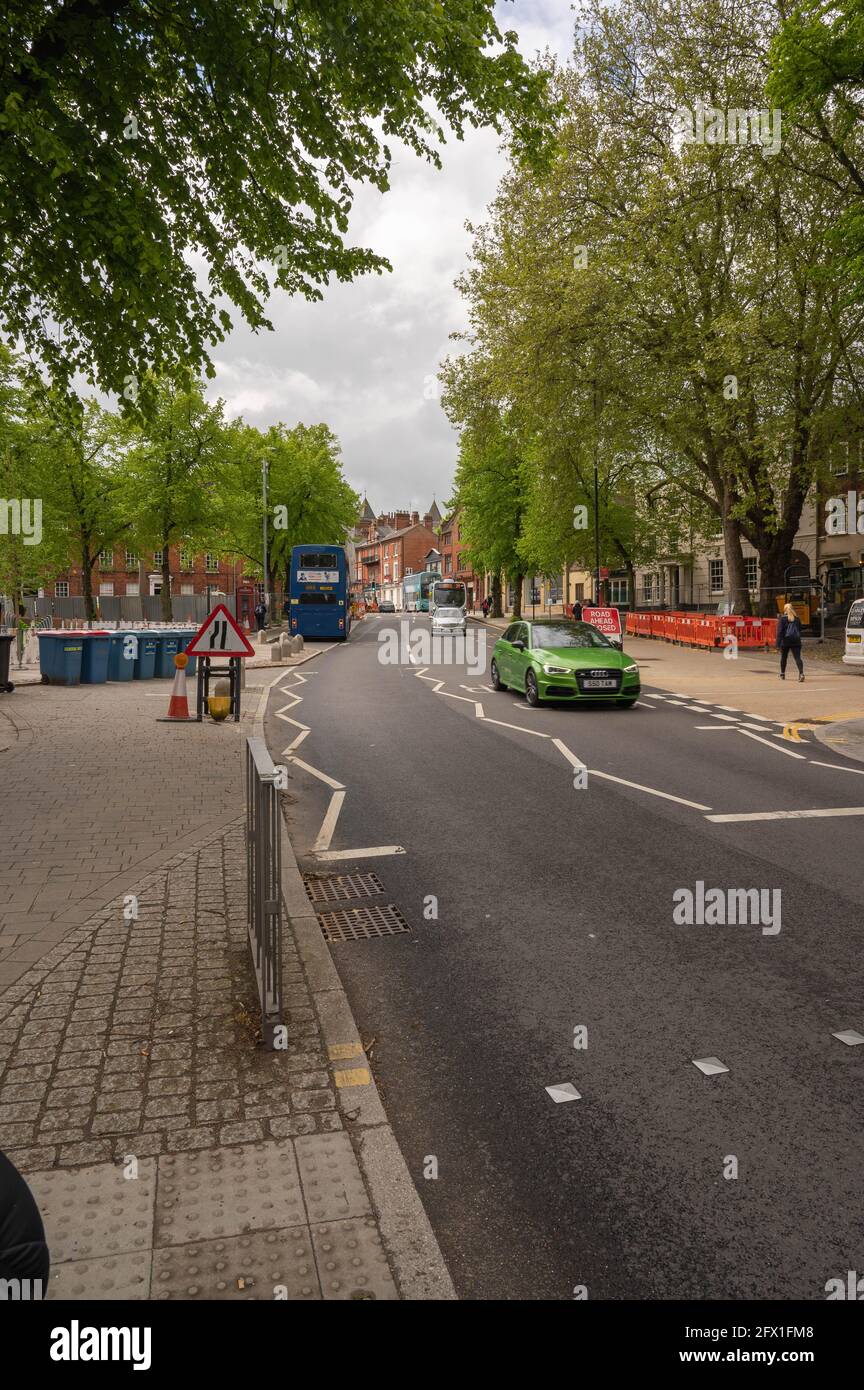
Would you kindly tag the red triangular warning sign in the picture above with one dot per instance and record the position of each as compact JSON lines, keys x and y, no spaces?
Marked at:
{"x":219,"y":635}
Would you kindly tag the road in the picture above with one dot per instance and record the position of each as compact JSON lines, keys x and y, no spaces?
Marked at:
{"x":555,"y":914}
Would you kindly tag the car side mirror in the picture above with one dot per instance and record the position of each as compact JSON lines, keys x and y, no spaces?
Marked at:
{"x":518,"y":645}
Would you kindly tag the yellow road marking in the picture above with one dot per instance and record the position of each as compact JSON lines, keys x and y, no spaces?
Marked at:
{"x":354,"y":1076}
{"x":340,"y":1052}
{"x":790,"y":733}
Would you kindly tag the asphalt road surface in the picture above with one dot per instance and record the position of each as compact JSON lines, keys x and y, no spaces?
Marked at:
{"x":555,"y":914}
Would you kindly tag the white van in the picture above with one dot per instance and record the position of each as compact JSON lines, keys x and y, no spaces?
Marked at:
{"x":854,"y":653}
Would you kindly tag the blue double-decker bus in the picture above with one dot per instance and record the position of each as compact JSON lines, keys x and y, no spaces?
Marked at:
{"x":318,"y":590}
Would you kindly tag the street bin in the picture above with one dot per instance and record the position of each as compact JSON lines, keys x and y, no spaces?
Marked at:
{"x":185,"y":638}
{"x":145,"y":661}
{"x":121,"y":660}
{"x":94,"y":659}
{"x":169,"y":645}
{"x":6,"y":640}
{"x":60,"y":656}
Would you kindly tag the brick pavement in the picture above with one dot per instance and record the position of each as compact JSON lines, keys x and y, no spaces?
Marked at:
{"x":95,"y":791}
{"x":170,"y":1155}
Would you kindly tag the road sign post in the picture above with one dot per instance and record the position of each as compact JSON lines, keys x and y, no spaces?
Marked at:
{"x":219,"y":635}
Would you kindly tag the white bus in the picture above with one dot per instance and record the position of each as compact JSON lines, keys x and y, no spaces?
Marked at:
{"x":853,"y":654}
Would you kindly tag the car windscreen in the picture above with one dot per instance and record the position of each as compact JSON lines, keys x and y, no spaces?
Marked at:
{"x":454,"y":613}
{"x":318,"y":560}
{"x":567,"y":635}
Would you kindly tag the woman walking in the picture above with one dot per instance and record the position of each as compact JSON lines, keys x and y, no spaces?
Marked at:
{"x":789,"y":640}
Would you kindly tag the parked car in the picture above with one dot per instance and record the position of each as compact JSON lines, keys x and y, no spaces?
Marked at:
{"x":451,"y":621}
{"x":853,"y":654}
{"x":386,"y":607}
{"x":561,"y":660}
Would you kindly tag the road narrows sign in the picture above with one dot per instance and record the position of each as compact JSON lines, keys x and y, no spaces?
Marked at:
{"x":220,"y":635}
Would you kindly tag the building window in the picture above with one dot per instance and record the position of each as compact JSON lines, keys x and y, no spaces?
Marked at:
{"x":751,"y":569}
{"x":211,"y":562}
{"x":106,"y":590}
{"x":187,"y":588}
{"x":131,"y":560}
{"x":186,"y":560}
{"x":447,"y":564}
{"x":618,"y":590}
{"x":409,"y":571}
{"x":61,"y":588}
{"x":648,"y":588}
{"x":715,"y":576}
{"x":157,"y":559}
{"x":132,"y":590}
{"x":106,"y":559}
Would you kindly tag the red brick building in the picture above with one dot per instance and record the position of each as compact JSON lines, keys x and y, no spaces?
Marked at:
{"x":392,"y":546}
{"x":454,"y":559}
{"x":122,"y":573}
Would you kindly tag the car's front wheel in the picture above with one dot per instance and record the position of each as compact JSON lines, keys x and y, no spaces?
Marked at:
{"x":497,"y":683}
{"x":532,"y":694}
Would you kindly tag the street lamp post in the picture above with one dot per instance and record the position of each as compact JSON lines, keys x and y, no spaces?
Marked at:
{"x":596,"y":508}
{"x":266,"y":574}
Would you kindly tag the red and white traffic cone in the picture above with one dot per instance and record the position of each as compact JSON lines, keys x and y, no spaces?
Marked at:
{"x":178,"y":705}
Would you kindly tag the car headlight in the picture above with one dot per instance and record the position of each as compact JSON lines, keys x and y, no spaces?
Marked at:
{"x":556,"y":670}
{"x":631,"y":670}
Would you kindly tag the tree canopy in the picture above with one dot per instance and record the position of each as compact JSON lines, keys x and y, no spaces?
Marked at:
{"x":158,"y":166}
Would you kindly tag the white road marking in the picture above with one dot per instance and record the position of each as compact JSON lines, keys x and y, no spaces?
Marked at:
{"x":570,"y":755}
{"x":652,"y":791}
{"x":490,"y":688}
{"x":716,"y":728}
{"x":727,"y":717}
{"x":710,"y":1066}
{"x":295,"y":743}
{"x":328,"y":825}
{"x":640,"y":704}
{"x":373,"y":852}
{"x":839,"y":767}
{"x":322,"y":776}
{"x":520,"y":728}
{"x":731,"y":709}
{"x":791,"y":815}
{"x":757,"y":739}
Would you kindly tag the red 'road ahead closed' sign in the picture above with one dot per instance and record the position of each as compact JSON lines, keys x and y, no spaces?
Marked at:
{"x":606,"y":620}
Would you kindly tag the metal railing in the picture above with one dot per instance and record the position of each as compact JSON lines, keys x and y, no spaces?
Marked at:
{"x":263,"y":876}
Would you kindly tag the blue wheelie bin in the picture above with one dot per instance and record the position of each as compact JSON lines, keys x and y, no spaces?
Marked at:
{"x":185,"y":638}
{"x":121,"y":659}
{"x":145,"y":661}
{"x":169,"y":646}
{"x":94,"y":659}
{"x":60,"y":656}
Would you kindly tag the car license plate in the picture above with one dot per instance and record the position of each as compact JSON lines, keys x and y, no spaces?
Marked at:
{"x":599,"y":685}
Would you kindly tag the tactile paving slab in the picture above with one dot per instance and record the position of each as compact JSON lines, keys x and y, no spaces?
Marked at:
{"x":263,"y":1265}
{"x":330,"y":1174}
{"x":93,"y":1211}
{"x":111,"y":1276}
{"x":227,"y":1192}
{"x":351,"y":1261}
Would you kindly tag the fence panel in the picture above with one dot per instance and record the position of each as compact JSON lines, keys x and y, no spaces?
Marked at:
{"x":263,"y":877}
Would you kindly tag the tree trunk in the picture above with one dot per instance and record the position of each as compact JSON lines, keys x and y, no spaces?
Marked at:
{"x":736,"y":586}
{"x":496,"y":595}
{"x":773,"y":563}
{"x":165,"y":596}
{"x":516,"y":581}
{"x":87,"y":583}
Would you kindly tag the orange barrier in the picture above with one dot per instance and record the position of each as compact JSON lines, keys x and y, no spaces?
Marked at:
{"x":706,"y":630}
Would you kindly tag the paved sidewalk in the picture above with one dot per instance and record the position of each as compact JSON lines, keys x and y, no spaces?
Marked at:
{"x":171,"y":1156}
{"x":95,"y":793}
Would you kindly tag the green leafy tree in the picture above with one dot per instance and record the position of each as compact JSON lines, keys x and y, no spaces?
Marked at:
{"x":169,"y":473}
{"x":308,"y":498}
{"x":137,"y":140}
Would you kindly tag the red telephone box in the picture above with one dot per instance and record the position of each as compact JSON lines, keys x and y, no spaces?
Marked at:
{"x":247,"y":597}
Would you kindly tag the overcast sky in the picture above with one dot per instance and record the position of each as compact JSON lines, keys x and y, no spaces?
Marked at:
{"x":364,"y":359}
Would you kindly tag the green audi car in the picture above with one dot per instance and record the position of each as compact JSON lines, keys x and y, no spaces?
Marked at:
{"x":559,"y":660}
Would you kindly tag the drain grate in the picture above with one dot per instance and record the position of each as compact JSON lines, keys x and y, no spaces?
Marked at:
{"x":362,"y":923}
{"x":339,"y":886}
